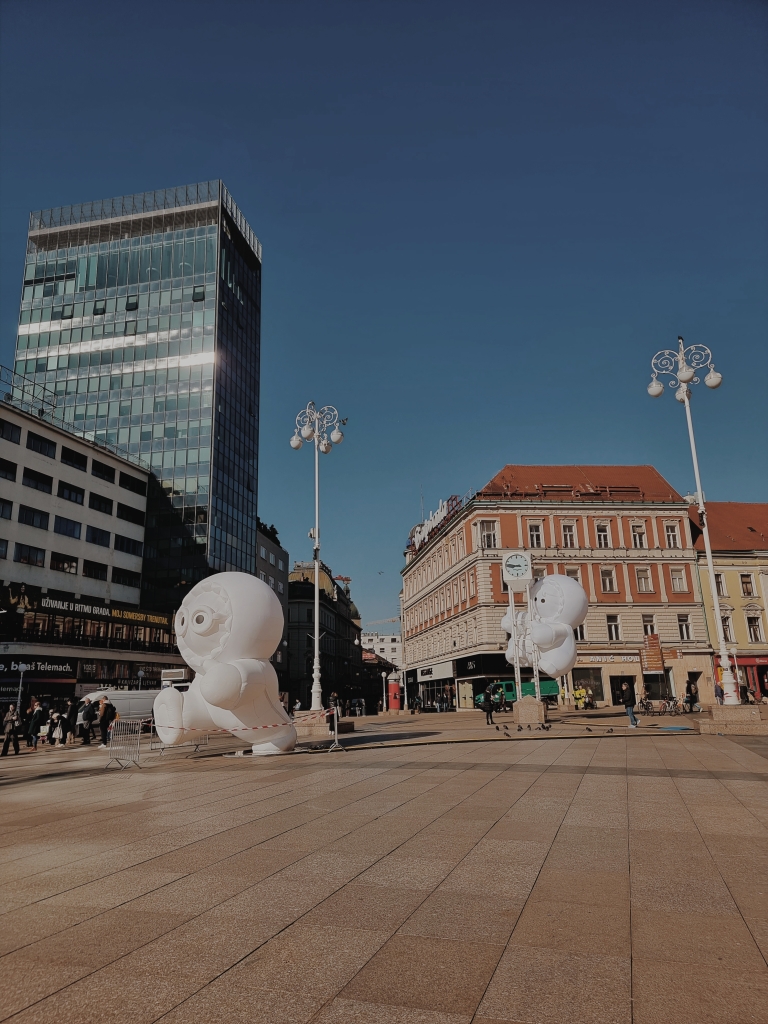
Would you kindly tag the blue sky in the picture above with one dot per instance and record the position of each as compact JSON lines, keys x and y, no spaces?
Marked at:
{"x":479,"y":223}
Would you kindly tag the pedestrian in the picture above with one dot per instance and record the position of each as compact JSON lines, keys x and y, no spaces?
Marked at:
{"x":36,"y":720}
{"x":11,"y":724}
{"x":89,"y":717}
{"x":719,"y":692}
{"x":297,"y":706}
{"x":70,"y":721}
{"x":56,"y":733}
{"x":27,"y":719}
{"x":107,"y":715}
{"x":743,"y":693}
{"x":628,"y":700}
{"x":332,"y":711}
{"x":694,"y":698}
{"x":488,"y":705}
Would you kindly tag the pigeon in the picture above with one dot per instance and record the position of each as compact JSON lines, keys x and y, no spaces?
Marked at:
{"x":519,"y":728}
{"x":497,"y":729}
{"x":610,"y":730}
{"x":529,"y":728}
{"x":587,"y":728}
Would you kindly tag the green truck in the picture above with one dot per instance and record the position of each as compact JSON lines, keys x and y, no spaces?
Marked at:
{"x":504,"y":692}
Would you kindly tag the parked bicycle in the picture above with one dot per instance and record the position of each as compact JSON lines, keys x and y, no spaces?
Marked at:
{"x":645,"y":706}
{"x":670,"y":706}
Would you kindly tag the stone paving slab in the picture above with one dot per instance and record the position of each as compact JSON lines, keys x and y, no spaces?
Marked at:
{"x":458,"y":880}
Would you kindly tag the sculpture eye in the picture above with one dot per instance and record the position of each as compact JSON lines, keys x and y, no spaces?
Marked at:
{"x":182,"y":621}
{"x":203,"y":621}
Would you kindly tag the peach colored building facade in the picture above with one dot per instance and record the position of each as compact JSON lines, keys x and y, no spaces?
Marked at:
{"x":622,"y":531}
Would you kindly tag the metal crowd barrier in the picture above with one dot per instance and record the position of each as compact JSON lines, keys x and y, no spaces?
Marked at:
{"x":155,"y":743}
{"x":125,"y":742}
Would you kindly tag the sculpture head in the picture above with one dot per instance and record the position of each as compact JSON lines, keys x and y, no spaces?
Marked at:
{"x":228,"y":617}
{"x":559,"y":599}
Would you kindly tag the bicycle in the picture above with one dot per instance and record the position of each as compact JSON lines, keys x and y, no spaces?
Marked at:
{"x":645,"y":706}
{"x":671,"y":705}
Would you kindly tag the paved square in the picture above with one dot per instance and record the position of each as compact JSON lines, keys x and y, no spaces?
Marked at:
{"x":600,"y":879}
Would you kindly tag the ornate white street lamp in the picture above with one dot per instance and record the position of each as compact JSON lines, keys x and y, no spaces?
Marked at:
{"x":323,"y":427}
{"x":681,"y":366}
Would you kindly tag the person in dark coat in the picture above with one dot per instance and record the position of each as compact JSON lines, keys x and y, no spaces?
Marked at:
{"x":488,"y":706}
{"x":333,"y":710}
{"x":70,"y":721}
{"x":107,"y":715}
{"x":36,"y":722}
{"x":89,"y":717}
{"x":628,"y":700}
{"x":11,"y":723}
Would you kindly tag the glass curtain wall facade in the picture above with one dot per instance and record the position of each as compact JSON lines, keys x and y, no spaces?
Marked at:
{"x":142,"y":314}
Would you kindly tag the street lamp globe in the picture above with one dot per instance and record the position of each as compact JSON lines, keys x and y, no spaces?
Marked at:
{"x":296,"y":442}
{"x":686,"y":373}
{"x":713,"y":379}
{"x":337,"y":436}
{"x":325,"y":447}
{"x":307,"y":432}
{"x":682,"y":393}
{"x":655,"y":388}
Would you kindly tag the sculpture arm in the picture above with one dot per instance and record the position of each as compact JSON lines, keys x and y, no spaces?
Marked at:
{"x":547,"y":635}
{"x":221,"y":684}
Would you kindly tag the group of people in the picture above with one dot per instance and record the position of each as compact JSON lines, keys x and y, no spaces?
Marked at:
{"x":56,"y":728}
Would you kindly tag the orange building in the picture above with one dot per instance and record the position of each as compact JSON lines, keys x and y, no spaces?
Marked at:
{"x":622,"y":531}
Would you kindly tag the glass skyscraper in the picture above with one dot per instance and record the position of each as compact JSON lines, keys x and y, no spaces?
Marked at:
{"x":142,"y":314}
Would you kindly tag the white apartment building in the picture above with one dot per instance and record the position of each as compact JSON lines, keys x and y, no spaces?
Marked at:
{"x":386,"y":645}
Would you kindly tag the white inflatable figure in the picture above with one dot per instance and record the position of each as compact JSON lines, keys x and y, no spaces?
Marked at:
{"x":558,"y":604}
{"x":227,"y":628}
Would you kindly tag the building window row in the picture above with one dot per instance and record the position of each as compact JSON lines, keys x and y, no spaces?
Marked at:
{"x":28,"y":554}
{"x":488,"y":532}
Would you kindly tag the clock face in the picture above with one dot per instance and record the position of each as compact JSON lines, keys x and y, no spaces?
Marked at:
{"x":516,"y":565}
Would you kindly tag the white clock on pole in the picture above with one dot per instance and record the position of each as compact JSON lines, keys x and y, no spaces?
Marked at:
{"x":516,"y":570}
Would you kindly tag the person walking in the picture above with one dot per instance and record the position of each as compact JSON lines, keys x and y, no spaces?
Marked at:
{"x":333,"y":710}
{"x":628,"y":700}
{"x":719,"y":692}
{"x":11,"y":723}
{"x":70,"y":722}
{"x":107,"y":715}
{"x":89,"y":717}
{"x":36,"y":720}
{"x":488,"y":706}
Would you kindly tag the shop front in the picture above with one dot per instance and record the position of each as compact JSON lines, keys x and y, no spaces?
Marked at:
{"x":475,"y":673}
{"x":436,"y":687}
{"x":604,"y":673}
{"x":50,"y":679}
{"x":750,"y":671}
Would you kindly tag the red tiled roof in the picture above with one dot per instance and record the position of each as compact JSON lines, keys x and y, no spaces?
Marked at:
{"x":734,"y":526}
{"x":574,"y":483}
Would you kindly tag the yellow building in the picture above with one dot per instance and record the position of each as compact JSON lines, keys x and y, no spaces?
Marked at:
{"x":739,"y":538}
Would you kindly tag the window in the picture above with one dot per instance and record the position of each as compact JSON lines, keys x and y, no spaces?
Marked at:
{"x":644,"y":581}
{"x":198,"y":293}
{"x":7,"y":470}
{"x":10,"y":432}
{"x":534,"y":535}
{"x":33,"y":517}
{"x":74,"y":459}
{"x":41,"y":445}
{"x":125,"y":577}
{"x":272,"y":582}
{"x":67,"y":527}
{"x":569,"y":535}
{"x":94,"y":570}
{"x":603,"y":537}
{"x":614,"y":628}
{"x":727,"y":631}
{"x":608,"y":581}
{"x":131,"y":303}
{"x":280,"y":587}
{"x":720,"y":585}
{"x":130,"y":514}
{"x":684,"y":626}
{"x":68,"y":312}
{"x":673,"y":538}
{"x":271,"y":558}
{"x":649,"y":625}
{"x":638,"y":536}
{"x":102,"y":471}
{"x":579,"y":632}
{"x":262,"y":551}
{"x":487,"y":533}
{"x":132,"y":483}
{"x":39,"y":481}
{"x":747,"y":586}
{"x":573,"y":572}
{"x":128,"y":545}
{"x":28,"y":555}
{"x":63,"y":563}
{"x":262,"y":576}
{"x":679,"y":585}
{"x":754,"y":630}
{"x":100,"y":504}
{"x":3,"y":548}
{"x":95,"y":536}
{"x":6,"y":508}
{"x":100,"y":307}
{"x":69,"y":492}
{"x":280,"y":565}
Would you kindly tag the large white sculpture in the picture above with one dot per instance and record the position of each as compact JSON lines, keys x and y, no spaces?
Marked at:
{"x":227,"y":629}
{"x":544,"y":633}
